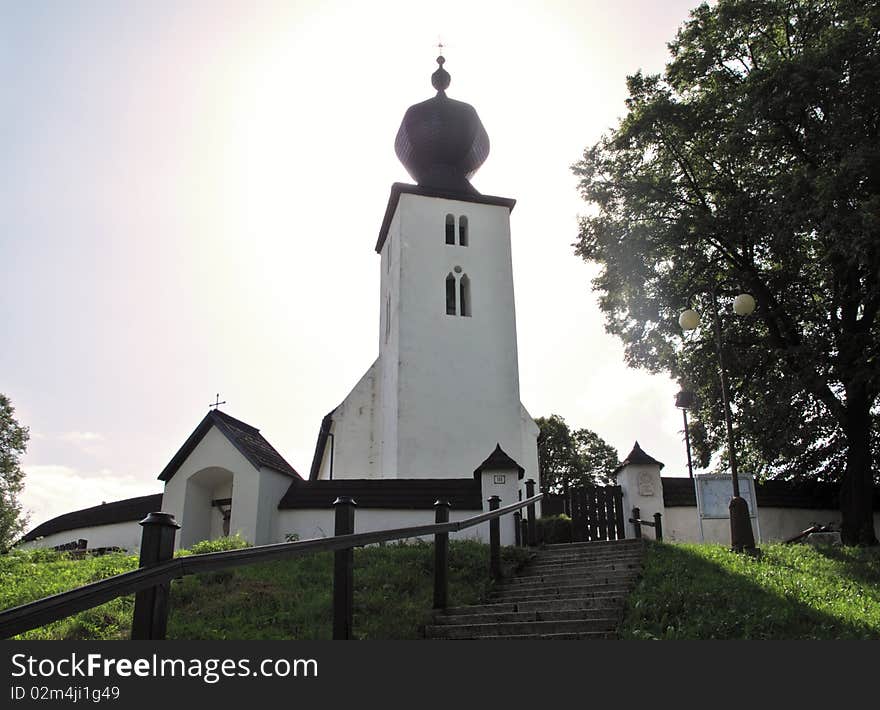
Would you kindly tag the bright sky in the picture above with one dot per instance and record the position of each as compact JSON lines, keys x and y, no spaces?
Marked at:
{"x":190,"y":195}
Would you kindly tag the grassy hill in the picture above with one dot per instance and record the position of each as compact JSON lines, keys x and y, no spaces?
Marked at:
{"x":687,"y":592}
{"x":289,"y":599}
{"x":791,"y":592}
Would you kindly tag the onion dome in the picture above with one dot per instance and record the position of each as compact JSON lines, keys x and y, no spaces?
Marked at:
{"x":441,"y":142}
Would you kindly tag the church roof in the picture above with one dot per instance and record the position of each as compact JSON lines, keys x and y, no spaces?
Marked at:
{"x":638,"y":456}
{"x":247,"y":439}
{"x":499,"y":461}
{"x":390,"y":493}
{"x":120,"y":511}
{"x":321,"y":444}
{"x":441,"y":142}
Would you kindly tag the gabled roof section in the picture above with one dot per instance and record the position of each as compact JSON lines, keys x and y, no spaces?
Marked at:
{"x":119,"y":511}
{"x":499,"y":461}
{"x":637,"y":456}
{"x":321,"y":444}
{"x":399,"y":188}
{"x":247,"y":439}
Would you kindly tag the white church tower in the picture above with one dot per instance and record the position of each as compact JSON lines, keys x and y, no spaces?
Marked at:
{"x":444,"y":390}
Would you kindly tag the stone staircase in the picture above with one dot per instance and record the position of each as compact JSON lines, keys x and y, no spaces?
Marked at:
{"x":569,"y":591}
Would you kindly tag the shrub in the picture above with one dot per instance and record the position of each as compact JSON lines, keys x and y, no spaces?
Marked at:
{"x":232,"y":542}
{"x":553,"y":529}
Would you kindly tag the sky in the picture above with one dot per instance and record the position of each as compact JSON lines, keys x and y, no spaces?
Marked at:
{"x":190,"y":195}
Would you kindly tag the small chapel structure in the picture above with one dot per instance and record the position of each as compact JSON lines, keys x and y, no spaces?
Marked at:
{"x":437,"y":415}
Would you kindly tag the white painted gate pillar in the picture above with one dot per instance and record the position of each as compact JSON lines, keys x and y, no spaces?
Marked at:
{"x":639,"y":479}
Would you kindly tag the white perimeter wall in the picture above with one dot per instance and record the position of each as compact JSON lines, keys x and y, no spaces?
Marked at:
{"x":310,"y":524}
{"x":682,"y":524}
{"x":125,"y":535}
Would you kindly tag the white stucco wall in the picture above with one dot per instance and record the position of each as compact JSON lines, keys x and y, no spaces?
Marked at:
{"x":458,"y":378}
{"x":642,"y":489}
{"x":682,"y":524}
{"x":208,"y":472}
{"x":356,"y":440}
{"x":320,"y":523}
{"x":445,"y":389}
{"x":529,"y":459}
{"x":125,"y":535}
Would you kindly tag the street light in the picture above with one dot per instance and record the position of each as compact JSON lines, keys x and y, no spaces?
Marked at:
{"x":741,"y":536}
{"x":684,"y":400}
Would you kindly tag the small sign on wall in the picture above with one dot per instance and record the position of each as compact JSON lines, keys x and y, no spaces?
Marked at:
{"x":714,"y":492}
{"x":499,"y":479}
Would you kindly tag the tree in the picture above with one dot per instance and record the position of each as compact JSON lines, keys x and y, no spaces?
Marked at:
{"x":568,"y":459}
{"x":755,"y":159}
{"x":13,"y":442}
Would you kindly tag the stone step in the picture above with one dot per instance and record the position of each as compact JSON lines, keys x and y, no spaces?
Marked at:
{"x":569,"y":580}
{"x":598,"y":546}
{"x":609,"y":600}
{"x":581,"y":564}
{"x":587,"y":636}
{"x":522,"y":616}
{"x":519,"y":595}
{"x":503,"y":630}
{"x":577,"y":568}
{"x":564,"y":555}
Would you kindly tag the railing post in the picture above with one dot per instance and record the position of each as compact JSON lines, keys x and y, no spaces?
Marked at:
{"x":495,"y":540}
{"x":343,"y":572}
{"x":441,"y":555}
{"x":658,"y":527}
{"x":637,"y":525}
{"x":517,"y":528}
{"x":150,"y":619}
{"x":530,"y":492}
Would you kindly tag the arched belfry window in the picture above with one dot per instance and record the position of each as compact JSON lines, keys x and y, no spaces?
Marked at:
{"x":464,"y":287}
{"x":450,"y":295}
{"x":463,"y":231}
{"x":450,"y":229}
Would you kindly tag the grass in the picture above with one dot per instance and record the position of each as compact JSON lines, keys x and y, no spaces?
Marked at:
{"x":289,"y":599}
{"x":686,"y":592}
{"x":691,"y":591}
{"x":29,"y":575}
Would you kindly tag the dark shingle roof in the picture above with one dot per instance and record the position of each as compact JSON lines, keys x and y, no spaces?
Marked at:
{"x":679,"y":492}
{"x":120,"y":511}
{"x":391,"y":493}
{"x":321,"y":444}
{"x":247,"y":439}
{"x":638,"y":456}
{"x":499,"y":461}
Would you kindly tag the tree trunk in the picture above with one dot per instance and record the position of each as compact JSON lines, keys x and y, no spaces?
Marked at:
{"x":857,"y":487}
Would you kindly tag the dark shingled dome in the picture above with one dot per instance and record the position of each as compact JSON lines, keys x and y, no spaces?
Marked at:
{"x":441,"y":142}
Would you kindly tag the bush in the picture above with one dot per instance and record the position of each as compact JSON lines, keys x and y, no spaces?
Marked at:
{"x":553,"y":529}
{"x":232,"y":542}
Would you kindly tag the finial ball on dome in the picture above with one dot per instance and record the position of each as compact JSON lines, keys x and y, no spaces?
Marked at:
{"x":440,"y":79}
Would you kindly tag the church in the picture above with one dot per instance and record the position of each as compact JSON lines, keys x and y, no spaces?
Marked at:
{"x":437,"y":415}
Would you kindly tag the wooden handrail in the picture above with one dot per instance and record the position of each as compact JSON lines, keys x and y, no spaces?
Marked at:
{"x":58,"y":606}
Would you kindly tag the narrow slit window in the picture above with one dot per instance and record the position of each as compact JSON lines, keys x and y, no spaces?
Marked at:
{"x":450,"y":295}
{"x":463,"y":231}
{"x":450,"y":229}
{"x":464,"y":286}
{"x":387,"y":317}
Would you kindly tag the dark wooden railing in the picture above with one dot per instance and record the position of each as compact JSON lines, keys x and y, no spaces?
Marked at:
{"x":151,"y":582}
{"x":656,"y":524}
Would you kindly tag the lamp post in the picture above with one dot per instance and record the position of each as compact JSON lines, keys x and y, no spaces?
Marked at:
{"x":684,"y":400}
{"x":741,"y":536}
